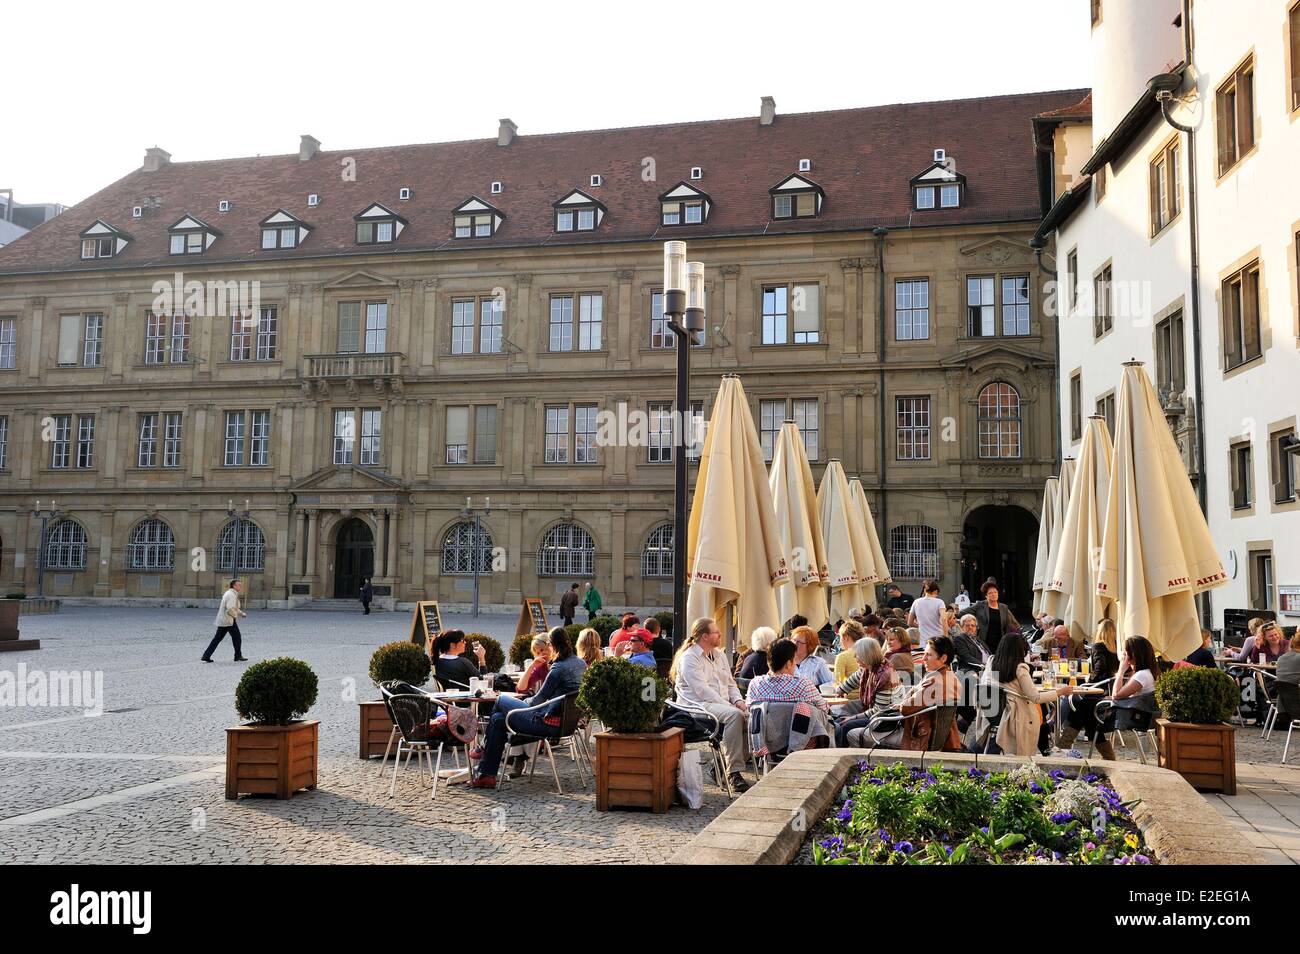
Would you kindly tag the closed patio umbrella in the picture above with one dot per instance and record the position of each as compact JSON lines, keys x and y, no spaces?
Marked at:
{"x":1156,"y":549}
{"x":733,"y":542}
{"x":1051,"y":520}
{"x":859,"y":496}
{"x":798,"y":524}
{"x":848,"y":554}
{"x":1070,"y":585}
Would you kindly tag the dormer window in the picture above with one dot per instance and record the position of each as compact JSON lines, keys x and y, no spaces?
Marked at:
{"x":378,"y":225}
{"x":684,"y":204}
{"x":282,"y":230}
{"x":578,"y":212}
{"x":797,"y":197}
{"x":101,"y":240}
{"x":475,"y":218}
{"x":938,"y":187}
{"x":191,"y":236}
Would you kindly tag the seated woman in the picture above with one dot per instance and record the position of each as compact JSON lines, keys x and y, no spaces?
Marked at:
{"x":846,"y":663}
{"x":898,"y":650}
{"x":939,"y":687}
{"x":1103,"y":662}
{"x":1022,"y":718}
{"x":1266,"y":646}
{"x":782,"y":682}
{"x":450,"y":666}
{"x":756,"y":663}
{"x":876,"y":684}
{"x":806,"y":661}
{"x":589,"y":649}
{"x":564,"y":678}
{"x":1288,"y":667}
{"x":535,"y":674}
{"x":1134,"y":687}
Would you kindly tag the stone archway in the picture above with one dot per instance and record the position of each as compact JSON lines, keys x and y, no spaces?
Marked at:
{"x":354,"y":557}
{"x":1000,"y":541}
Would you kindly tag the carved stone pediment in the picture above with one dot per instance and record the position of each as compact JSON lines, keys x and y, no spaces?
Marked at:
{"x":998,"y":252}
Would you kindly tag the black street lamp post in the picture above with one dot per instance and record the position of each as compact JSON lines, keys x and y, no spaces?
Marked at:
{"x":476,"y":553}
{"x":45,"y":517}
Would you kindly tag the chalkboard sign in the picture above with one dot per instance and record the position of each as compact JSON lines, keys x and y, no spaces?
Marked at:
{"x":532,"y":618}
{"x":426,"y":622}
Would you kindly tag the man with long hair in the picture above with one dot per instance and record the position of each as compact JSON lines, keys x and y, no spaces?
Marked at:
{"x":704,"y":681}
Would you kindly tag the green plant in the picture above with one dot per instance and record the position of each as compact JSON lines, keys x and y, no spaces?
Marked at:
{"x":494,"y":657}
{"x":605,"y":624}
{"x":403,"y":660}
{"x":665,"y":623}
{"x":1197,"y":694}
{"x":953,"y":806}
{"x":275,"y":691}
{"x":573,"y":631}
{"x":1020,"y":811}
{"x":521,"y":650}
{"x":622,"y":695}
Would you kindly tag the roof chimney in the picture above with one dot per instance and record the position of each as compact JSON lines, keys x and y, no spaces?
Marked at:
{"x":155,"y":159}
{"x":767,"y":112}
{"x":506,"y":132}
{"x":308,"y":146}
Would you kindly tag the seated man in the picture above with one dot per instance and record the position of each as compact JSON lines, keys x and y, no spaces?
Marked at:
{"x":971,"y":654}
{"x":640,"y":649}
{"x":703,"y":681}
{"x":1068,"y":646}
{"x":563,"y":679}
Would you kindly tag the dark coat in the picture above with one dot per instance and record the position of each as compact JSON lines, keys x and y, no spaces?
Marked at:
{"x":367,"y":593}
{"x":980,"y":611}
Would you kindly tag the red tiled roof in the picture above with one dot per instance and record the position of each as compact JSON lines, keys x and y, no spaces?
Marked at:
{"x":1079,"y":110}
{"x":863,"y":158}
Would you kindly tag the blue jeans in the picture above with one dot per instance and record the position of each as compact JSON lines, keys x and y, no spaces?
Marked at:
{"x":494,"y":742}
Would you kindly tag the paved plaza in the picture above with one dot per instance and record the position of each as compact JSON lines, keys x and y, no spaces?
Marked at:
{"x":143,"y":782}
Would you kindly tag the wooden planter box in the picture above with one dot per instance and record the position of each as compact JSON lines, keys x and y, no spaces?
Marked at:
{"x":271,"y":759}
{"x":637,"y":770}
{"x":376,"y":727}
{"x":1205,"y":755}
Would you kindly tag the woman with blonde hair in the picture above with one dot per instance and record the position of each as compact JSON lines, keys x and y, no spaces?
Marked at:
{"x":755,"y":663}
{"x":535,"y":674}
{"x":1103,"y":663}
{"x":588,"y":648}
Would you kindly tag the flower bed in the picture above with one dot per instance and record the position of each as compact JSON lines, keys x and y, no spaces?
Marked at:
{"x":899,"y":814}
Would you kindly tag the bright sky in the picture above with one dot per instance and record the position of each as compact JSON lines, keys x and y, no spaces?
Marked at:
{"x":88,"y":86}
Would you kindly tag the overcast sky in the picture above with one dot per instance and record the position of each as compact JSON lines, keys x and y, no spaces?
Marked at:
{"x":89,"y":86}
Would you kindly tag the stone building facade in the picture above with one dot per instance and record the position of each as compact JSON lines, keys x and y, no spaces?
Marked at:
{"x":458,"y":338}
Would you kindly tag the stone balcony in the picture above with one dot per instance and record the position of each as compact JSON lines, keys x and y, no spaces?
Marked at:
{"x":385,"y":364}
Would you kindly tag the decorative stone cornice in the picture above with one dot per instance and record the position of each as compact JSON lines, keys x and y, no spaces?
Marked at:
{"x":624,"y":274}
{"x":524,"y":278}
{"x":430,"y":284}
{"x":729,"y":271}
{"x":294,"y":290}
{"x":37,"y":302}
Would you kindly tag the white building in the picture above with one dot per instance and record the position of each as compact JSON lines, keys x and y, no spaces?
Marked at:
{"x":1150,"y":207}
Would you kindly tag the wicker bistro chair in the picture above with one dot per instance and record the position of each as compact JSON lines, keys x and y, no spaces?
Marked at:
{"x":1287,"y":700}
{"x":396,"y":687}
{"x":705,"y":730}
{"x":411,"y":715}
{"x":569,"y":733}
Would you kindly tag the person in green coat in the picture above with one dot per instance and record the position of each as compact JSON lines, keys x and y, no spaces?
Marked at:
{"x":592,"y":602}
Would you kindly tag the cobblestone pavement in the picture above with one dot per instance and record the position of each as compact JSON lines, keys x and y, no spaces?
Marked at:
{"x":143,"y":782}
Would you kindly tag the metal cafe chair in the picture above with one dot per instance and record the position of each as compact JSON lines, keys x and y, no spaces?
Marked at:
{"x":412,"y":714}
{"x":568,"y":734}
{"x":1288,"y":698}
{"x":706,"y":731}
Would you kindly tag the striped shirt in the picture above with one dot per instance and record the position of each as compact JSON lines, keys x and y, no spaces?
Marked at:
{"x":792,"y":688}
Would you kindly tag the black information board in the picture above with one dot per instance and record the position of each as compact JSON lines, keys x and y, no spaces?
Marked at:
{"x":532,"y":618}
{"x":426,"y":622}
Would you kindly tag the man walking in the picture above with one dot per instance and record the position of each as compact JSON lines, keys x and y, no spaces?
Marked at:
{"x":367,"y":594}
{"x":592,"y":602}
{"x":569,"y":605}
{"x":228,"y":615}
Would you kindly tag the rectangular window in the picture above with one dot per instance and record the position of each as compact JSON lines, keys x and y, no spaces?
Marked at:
{"x":492,"y":315}
{"x":775,"y":314}
{"x":697,"y":429}
{"x":1076,"y":406}
{"x":1103,"y":316}
{"x":564,"y":221}
{"x":1284,"y":463}
{"x":950,"y":196}
{"x":1165,"y":186}
{"x":584,"y":434}
{"x":771,"y":414}
{"x":234,"y":440}
{"x":1234,"y":115}
{"x":242,"y":328}
{"x":155,"y":339}
{"x":457,"y":442}
{"x":97,"y":248}
{"x":925,"y":197}
{"x":93,"y":352}
{"x":980,"y":306}
{"x":804,"y":411}
{"x":912,"y":435}
{"x":557,"y":435}
{"x":4,"y":442}
{"x":661,"y":335}
{"x":462,"y":326}
{"x":267,"y":333}
{"x":1015,"y":305}
{"x":375,"y":231}
{"x":254,"y":337}
{"x":1072,"y":276}
{"x":147,"y":447}
{"x":1261,"y":580}
{"x":1240,"y":307}
{"x":60,"y":443}
{"x":485,"y":434}
{"x":1293,"y":35}
{"x":1243,"y":484}
{"x":85,"y":441}
{"x":561,"y":323}
{"x":349,"y":338}
{"x":912,"y":309}
{"x":371,"y":431}
{"x":172,"y":439}
{"x":259,"y":438}
{"x":660,"y":448}
{"x":590,"y":321}
{"x":8,"y":344}
{"x":376,"y":327}
{"x":1170,"y":366}
{"x":1106,"y":408}
{"x":180,"y":345}
{"x":791,"y":308}
{"x":345,"y":435}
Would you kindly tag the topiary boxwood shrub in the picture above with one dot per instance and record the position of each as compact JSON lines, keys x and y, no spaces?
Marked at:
{"x":573,"y":631}
{"x":521,"y":650}
{"x":1197,"y":694}
{"x":495,"y":657}
{"x":275,"y":691}
{"x":605,"y":625}
{"x":665,"y":623}
{"x":403,"y":660}
{"x":624,"y":696}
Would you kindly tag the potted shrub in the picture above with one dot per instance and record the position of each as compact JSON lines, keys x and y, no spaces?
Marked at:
{"x":521,"y":650}
{"x":1196,"y":739}
{"x":636,"y":766}
{"x":275,"y":753}
{"x":665,"y":623}
{"x":494,"y":656}
{"x":401,"y":660}
{"x":604,"y":625}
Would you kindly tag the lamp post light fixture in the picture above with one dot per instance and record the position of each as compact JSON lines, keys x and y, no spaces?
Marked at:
{"x":241,"y":533}
{"x":476,"y":540}
{"x":684,"y":310}
{"x":45,"y":516}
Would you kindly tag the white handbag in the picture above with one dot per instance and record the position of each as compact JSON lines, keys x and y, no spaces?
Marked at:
{"x":690,"y":779}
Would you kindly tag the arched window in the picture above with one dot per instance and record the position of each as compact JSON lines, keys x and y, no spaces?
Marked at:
{"x":914,"y":552}
{"x":566,"y":550}
{"x":241,"y":548}
{"x":65,"y":546}
{"x":657,"y":557}
{"x":152,"y":546}
{"x":999,"y":422}
{"x":459,"y":549}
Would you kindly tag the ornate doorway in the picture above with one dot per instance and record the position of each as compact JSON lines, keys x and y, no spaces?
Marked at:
{"x":354,"y":558}
{"x":1001,"y":542}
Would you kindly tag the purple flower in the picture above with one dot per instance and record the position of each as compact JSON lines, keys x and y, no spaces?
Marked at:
{"x":1090,"y":778}
{"x":985,"y":829}
{"x":1089,"y":846}
{"x":884,"y":835}
{"x":1121,"y":860}
{"x":1141,"y":860}
{"x":833,"y":844}
{"x":976,"y":773}
{"x":1036,"y":788}
{"x":875,"y":781}
{"x":904,"y":846}
{"x":1056,"y":775}
{"x":1060,"y":818}
{"x":846,"y":812}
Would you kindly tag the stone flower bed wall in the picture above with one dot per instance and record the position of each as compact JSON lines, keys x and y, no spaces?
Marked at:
{"x":769,"y":823}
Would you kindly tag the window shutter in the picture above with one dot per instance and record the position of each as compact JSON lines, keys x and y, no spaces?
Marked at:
{"x":1228,"y":310}
{"x":457,"y":425}
{"x":1250,"y":346}
{"x":69,"y":339}
{"x":807,"y":317}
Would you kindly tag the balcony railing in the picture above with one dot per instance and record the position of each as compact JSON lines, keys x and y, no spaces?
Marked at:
{"x":381,"y":365}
